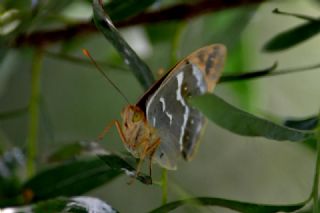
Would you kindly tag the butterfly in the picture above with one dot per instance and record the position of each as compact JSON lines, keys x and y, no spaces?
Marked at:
{"x":162,"y":126}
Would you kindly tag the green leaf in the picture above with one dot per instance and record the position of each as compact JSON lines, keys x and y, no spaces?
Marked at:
{"x":230,"y":204}
{"x":292,"y":37}
{"x":243,"y":123}
{"x":118,"y":164}
{"x":75,"y":204}
{"x":139,"y":68}
{"x":69,"y":179}
{"x":303,"y":124}
{"x":120,"y":10}
{"x":115,"y":162}
{"x":80,"y":176}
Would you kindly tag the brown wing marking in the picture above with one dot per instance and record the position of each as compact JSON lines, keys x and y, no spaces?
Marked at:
{"x":210,"y":60}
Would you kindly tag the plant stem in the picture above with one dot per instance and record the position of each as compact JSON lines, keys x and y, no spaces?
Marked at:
{"x":34,"y":111}
{"x":164,"y":186}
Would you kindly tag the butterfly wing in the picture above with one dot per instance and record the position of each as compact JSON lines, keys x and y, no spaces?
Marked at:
{"x":178,"y":125}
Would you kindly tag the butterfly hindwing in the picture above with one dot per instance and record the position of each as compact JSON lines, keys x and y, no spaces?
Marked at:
{"x":178,"y":125}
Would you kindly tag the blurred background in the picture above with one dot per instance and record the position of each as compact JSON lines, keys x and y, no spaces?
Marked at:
{"x":76,"y":102}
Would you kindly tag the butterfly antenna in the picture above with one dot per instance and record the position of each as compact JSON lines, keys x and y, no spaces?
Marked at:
{"x":86,"y":53}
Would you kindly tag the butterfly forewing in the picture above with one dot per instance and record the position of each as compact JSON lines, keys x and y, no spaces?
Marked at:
{"x":210,"y":60}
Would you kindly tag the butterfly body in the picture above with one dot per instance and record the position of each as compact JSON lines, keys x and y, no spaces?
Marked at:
{"x":140,"y":138}
{"x":162,"y":126}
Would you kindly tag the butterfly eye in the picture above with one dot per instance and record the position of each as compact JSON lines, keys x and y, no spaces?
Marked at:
{"x":136,"y":117}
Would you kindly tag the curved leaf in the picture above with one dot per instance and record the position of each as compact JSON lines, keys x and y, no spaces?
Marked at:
{"x":293,"y":36}
{"x":78,"y":177}
{"x":243,"y":123}
{"x":302,"y":124}
{"x":105,"y":25}
{"x":230,"y":204}
{"x":69,"y":179}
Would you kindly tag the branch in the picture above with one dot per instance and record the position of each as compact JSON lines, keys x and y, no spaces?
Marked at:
{"x":175,"y":13}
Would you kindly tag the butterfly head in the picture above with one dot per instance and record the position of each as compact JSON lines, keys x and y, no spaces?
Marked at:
{"x":132,"y":115}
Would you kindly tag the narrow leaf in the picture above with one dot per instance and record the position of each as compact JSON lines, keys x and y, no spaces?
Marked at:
{"x":302,"y":124}
{"x":105,"y":25}
{"x":243,"y":123}
{"x":230,"y":204}
{"x":293,"y":36}
{"x":247,"y":75}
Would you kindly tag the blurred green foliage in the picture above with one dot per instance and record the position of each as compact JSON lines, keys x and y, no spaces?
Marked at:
{"x":50,"y":98}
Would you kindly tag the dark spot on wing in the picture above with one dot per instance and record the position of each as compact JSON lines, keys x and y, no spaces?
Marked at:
{"x":161,"y":155}
{"x":209,"y":63}
{"x":213,"y":63}
{"x":201,"y":56}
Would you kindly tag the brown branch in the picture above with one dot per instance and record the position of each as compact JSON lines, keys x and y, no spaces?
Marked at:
{"x":174,"y":13}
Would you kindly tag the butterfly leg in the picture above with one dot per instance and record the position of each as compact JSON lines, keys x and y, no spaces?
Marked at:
{"x":141,"y":158}
{"x":119,"y":129}
{"x":150,"y":152}
{"x":147,"y":151}
{"x":144,"y":143}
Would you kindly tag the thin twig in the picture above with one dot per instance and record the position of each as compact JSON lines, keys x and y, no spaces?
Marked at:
{"x":177,"y":12}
